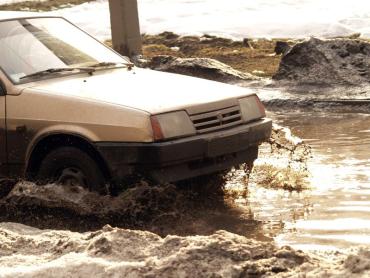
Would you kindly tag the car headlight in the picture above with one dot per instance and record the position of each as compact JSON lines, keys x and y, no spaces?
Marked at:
{"x":251,"y":108}
{"x":172,"y":125}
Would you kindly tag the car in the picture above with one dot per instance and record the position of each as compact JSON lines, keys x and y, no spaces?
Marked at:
{"x":75,"y":112}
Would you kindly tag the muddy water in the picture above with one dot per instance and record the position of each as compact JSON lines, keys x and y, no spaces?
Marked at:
{"x":335,"y":212}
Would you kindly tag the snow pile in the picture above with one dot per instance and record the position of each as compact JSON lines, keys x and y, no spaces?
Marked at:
{"x":264,"y":18}
{"x":30,"y":252}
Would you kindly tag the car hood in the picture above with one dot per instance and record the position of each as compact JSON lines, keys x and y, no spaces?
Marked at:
{"x":143,"y":89}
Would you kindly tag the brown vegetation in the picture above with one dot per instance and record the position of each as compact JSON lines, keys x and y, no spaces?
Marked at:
{"x":253,"y":56}
{"x":36,"y":6}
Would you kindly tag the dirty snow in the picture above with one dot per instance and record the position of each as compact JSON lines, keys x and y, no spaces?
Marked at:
{"x":263,"y":18}
{"x":30,"y":252}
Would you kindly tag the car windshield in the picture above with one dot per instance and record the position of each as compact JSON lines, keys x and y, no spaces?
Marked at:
{"x":32,"y":45}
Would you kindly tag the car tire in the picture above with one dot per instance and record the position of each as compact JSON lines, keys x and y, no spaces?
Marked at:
{"x":72,"y":166}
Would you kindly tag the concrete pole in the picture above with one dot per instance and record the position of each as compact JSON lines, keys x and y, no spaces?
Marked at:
{"x":124,"y":18}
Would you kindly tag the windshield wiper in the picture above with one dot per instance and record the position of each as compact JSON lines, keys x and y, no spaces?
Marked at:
{"x":56,"y":70}
{"x":103,"y":64}
{"x":110,"y":64}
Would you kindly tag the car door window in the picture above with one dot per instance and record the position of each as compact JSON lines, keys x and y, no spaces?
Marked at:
{"x":2,"y":135}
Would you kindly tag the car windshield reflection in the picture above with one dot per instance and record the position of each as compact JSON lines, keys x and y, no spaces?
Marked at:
{"x":33,"y":45}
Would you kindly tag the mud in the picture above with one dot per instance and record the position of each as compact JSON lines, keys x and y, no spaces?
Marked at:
{"x":337,"y":105}
{"x":6,"y":185}
{"x":283,"y":162}
{"x":197,"y":207}
{"x":78,"y":209}
{"x":206,"y":68}
{"x":326,"y":63}
{"x":165,"y":209}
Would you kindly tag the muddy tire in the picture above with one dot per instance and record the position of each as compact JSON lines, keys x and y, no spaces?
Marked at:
{"x":70,"y":166}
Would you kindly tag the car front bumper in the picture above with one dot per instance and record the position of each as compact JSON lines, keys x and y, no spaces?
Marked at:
{"x":188,"y":157}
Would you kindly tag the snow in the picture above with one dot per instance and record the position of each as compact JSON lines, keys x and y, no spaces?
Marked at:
{"x":260,"y":18}
{"x":11,"y":1}
{"x":2,"y":2}
{"x":113,"y":252}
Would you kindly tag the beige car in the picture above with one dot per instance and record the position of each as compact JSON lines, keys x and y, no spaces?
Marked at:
{"x":73,"y":111}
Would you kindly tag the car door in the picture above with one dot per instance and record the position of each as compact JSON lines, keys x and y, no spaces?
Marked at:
{"x":3,"y":155}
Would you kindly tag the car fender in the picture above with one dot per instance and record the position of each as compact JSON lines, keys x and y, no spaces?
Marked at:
{"x":72,"y":130}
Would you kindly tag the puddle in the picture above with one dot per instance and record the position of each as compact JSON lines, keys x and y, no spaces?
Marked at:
{"x":334,"y":213}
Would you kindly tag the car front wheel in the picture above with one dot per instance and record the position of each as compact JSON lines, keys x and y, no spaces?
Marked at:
{"x":69,"y":166}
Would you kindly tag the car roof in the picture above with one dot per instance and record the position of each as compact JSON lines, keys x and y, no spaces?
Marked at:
{"x":7,"y":15}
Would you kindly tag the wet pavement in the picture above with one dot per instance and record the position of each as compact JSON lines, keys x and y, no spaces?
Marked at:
{"x":335,"y":212}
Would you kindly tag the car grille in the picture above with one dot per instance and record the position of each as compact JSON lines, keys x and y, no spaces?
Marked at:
{"x":216,"y":120}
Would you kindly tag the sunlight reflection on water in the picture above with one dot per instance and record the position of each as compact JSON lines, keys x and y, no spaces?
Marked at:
{"x":334,"y":213}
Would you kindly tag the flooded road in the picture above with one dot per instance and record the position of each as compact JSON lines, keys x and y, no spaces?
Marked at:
{"x":335,"y":212}
{"x":169,"y":230}
{"x":332,"y":213}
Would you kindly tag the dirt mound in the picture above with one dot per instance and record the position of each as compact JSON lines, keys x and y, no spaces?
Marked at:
{"x":200,"y":67}
{"x":326,"y":62}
